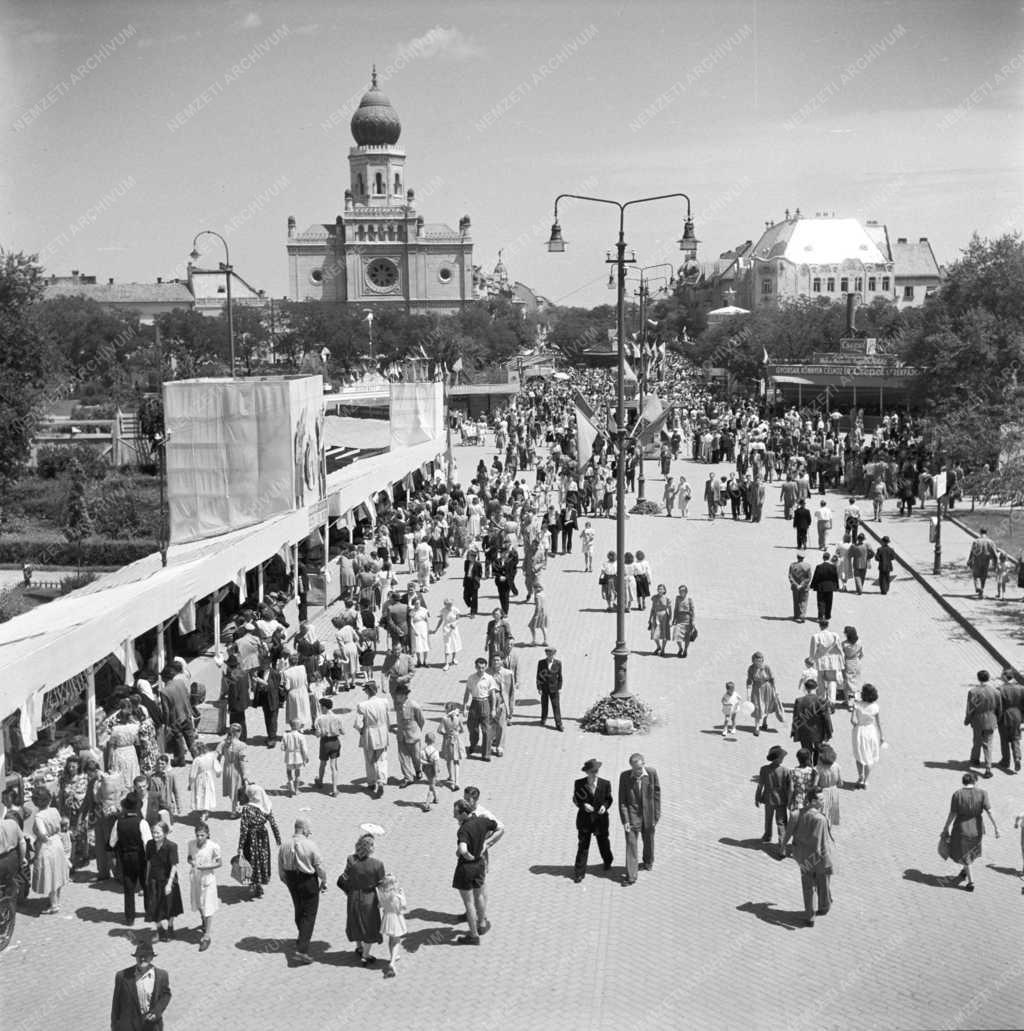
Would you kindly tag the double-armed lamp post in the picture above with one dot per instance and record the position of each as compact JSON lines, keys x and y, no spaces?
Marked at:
{"x":690,"y":271}
{"x":228,"y":271}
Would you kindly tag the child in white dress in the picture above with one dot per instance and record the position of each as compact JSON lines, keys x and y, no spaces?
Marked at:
{"x":204,"y":859}
{"x":295,"y":755}
{"x":587,"y":536}
{"x":392,"y":922}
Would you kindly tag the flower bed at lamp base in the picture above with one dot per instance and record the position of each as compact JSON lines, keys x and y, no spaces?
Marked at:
{"x":646,"y":508}
{"x":611,"y":715}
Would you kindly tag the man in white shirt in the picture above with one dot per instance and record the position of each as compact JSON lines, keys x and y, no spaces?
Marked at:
{"x":477,"y":702}
{"x":300,"y":866}
{"x":823,"y":521}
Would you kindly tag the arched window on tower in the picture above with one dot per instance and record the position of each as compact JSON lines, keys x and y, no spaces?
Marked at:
{"x":379,"y":184}
{"x":359,"y":184}
{"x":398,"y":183}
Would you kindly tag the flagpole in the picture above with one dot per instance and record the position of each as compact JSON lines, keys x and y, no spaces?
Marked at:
{"x":642,"y":384}
{"x":448,"y":431}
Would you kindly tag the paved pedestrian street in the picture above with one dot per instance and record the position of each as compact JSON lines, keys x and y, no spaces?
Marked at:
{"x":712,"y":937}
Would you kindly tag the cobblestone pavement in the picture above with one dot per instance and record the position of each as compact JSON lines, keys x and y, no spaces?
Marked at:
{"x":712,"y":937}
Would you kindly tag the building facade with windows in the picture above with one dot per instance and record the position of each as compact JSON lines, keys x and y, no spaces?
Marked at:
{"x":917,"y":272}
{"x":380,"y":250}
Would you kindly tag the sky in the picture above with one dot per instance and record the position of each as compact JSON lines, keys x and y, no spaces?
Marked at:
{"x":910,"y":112}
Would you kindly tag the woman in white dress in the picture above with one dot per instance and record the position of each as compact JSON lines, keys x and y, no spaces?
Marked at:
{"x":867,"y":733}
{"x":474,"y":515}
{"x":419,"y":627}
{"x":296,"y":685}
{"x":447,"y":623}
{"x":50,"y":867}
{"x":202,"y":779}
{"x":122,"y":747}
{"x":204,"y":860}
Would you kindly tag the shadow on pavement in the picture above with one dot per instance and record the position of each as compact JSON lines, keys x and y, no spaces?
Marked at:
{"x":779,"y":619}
{"x":232,"y":894}
{"x":91,"y":913}
{"x":1010,"y":871}
{"x":753,"y":844}
{"x":949,"y":764}
{"x":433,"y":916}
{"x":766,"y":911}
{"x":930,"y":879}
{"x":415,"y":940}
{"x":564,"y":871}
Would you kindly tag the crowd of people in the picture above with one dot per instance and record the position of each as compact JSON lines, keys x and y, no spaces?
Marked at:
{"x":118,"y":805}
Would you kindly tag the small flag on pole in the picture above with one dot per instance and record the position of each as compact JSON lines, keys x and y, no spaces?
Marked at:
{"x":765,"y":359}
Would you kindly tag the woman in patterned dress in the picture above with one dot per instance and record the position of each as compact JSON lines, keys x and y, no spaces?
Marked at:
{"x":233,"y":761}
{"x":659,"y":622}
{"x":253,"y":838}
{"x":801,"y":780}
{"x":149,"y":747}
{"x":854,"y":653}
{"x":72,"y":801}
{"x":682,"y":621}
{"x":761,"y":691}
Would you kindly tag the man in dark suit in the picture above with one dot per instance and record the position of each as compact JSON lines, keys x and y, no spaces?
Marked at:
{"x":824,"y":583}
{"x":812,"y":720}
{"x":592,"y":796}
{"x":549,"y":687}
{"x":639,"y":810}
{"x":141,"y":994}
{"x":984,"y":707}
{"x":800,"y":573}
{"x":801,"y":523}
{"x":885,"y":558}
{"x":1012,"y":692}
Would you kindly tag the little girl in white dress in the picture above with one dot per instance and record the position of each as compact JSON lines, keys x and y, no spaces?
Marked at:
{"x":392,"y":922}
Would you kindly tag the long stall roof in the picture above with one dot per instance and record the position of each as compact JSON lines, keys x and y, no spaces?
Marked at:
{"x":55,"y":642}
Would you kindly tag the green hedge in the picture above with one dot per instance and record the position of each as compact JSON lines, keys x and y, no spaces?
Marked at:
{"x":95,"y":552}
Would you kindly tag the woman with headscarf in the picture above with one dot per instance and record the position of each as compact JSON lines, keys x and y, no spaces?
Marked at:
{"x":682,"y":621}
{"x":50,"y":870}
{"x":362,"y":876}
{"x":253,"y":837}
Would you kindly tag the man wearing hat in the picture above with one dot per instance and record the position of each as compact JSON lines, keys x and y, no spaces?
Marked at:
{"x":812,"y":720}
{"x":141,"y":994}
{"x":592,"y":796}
{"x":128,"y":839}
{"x":824,"y":583}
{"x":812,"y":849}
{"x":549,"y":687}
{"x":885,"y":559}
{"x":800,"y":573}
{"x":773,"y":792}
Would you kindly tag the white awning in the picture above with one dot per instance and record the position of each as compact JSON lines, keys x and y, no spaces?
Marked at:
{"x":801,"y":380}
{"x":55,"y":642}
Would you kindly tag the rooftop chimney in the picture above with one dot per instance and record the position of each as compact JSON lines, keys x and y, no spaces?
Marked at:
{"x":291,"y":225}
{"x":74,"y":275}
{"x":110,"y":281}
{"x":851,"y":313}
{"x":901,"y":239}
{"x":159,"y":279}
{"x":922,"y":239}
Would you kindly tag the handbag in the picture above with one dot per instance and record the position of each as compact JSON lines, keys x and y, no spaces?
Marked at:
{"x":241,"y":869}
{"x":944,"y":846}
{"x":693,"y":633}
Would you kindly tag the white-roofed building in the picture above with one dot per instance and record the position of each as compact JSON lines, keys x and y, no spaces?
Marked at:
{"x":821,"y":256}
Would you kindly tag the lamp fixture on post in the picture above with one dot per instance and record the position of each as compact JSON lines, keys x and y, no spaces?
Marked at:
{"x":556,"y":245}
{"x":225,"y":267}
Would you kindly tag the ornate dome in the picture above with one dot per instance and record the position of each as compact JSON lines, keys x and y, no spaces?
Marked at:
{"x":375,"y":122}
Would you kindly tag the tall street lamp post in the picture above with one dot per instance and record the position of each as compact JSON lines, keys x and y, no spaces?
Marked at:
{"x":228,"y":271}
{"x":688,"y":245}
{"x":644,"y":293}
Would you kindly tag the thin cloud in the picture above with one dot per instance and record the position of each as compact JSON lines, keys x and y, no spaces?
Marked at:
{"x":306,"y":30}
{"x":451,"y":43}
{"x":252,"y":21}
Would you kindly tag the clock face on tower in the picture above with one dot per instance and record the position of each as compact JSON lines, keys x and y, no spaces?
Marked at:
{"x":382,"y":273}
